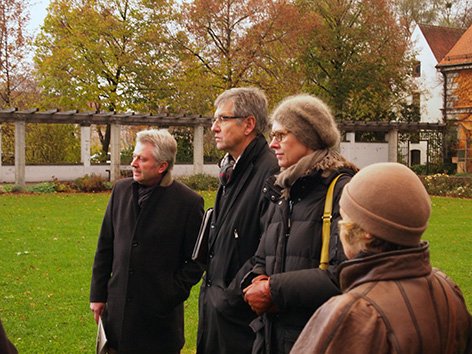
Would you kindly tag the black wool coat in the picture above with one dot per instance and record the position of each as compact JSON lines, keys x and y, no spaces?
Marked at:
{"x":143,"y":268}
{"x":6,"y":347}
{"x":224,"y":317}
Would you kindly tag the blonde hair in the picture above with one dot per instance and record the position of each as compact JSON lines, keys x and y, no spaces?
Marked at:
{"x":354,"y":234}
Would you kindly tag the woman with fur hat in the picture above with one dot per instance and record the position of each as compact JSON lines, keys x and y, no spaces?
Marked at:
{"x":393,"y":301}
{"x":287,"y":284}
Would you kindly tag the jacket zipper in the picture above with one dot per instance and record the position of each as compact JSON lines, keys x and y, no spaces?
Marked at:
{"x":287,"y":233}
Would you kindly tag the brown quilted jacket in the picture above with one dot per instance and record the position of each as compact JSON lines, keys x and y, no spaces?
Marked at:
{"x":392,"y":303}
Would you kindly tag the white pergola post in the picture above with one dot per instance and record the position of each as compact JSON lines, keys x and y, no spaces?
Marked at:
{"x":392,"y":138}
{"x":85,"y":147}
{"x":198,"y":149}
{"x":115,"y":152}
{"x":20,"y":154}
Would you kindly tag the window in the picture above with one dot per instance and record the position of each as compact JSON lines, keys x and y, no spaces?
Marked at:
{"x":417,"y":69}
{"x":416,"y":100}
{"x":415,"y":157}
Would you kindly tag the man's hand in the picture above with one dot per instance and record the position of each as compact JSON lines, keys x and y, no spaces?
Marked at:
{"x":97,"y":309}
{"x":258,"y":296}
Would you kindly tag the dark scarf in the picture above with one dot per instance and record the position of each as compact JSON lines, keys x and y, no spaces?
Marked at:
{"x":228,"y":166}
{"x":144,"y":192}
{"x":226,"y":169}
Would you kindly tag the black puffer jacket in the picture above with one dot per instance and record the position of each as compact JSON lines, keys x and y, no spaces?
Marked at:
{"x":289,"y":252}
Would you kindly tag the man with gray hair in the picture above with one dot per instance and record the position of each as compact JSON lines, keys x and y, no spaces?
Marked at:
{"x":143,"y":270}
{"x":239,"y":123}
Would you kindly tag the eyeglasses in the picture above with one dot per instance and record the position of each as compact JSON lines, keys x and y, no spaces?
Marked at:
{"x":222,"y":119}
{"x":278,"y":135}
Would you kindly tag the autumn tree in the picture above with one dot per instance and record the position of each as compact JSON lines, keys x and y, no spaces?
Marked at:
{"x":238,"y":43}
{"x":356,"y":58}
{"x":14,"y":48}
{"x":104,"y":55}
{"x":45,"y":143}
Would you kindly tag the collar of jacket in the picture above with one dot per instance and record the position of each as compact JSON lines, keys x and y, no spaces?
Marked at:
{"x":251,"y":152}
{"x":320,"y":163}
{"x":405,"y":263}
{"x":304,"y":184}
{"x":270,"y":190}
{"x":166,"y":180}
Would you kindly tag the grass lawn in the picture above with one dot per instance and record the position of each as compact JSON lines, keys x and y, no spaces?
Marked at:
{"x":47,"y":244}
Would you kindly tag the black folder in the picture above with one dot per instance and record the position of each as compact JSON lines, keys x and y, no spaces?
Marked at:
{"x":200,"y":250}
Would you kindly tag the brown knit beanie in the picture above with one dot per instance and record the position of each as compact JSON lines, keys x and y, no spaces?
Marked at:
{"x":388,"y":201}
{"x":309,"y":119}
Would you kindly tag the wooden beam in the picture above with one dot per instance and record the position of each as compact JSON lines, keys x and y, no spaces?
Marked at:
{"x":88,"y":118}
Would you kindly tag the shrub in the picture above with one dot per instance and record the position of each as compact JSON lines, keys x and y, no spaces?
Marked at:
{"x":450,"y":186}
{"x":64,"y":187}
{"x":6,"y":188}
{"x":17,"y":189}
{"x":200,"y":182}
{"x":433,"y":168}
{"x":46,"y":187}
{"x":92,"y":183}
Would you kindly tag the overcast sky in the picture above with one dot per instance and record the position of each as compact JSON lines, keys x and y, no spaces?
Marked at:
{"x":37,"y":14}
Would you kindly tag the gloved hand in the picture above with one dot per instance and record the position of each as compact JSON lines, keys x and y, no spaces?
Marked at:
{"x":258,"y":296}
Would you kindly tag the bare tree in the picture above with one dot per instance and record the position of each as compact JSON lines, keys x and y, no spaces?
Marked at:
{"x":433,"y":12}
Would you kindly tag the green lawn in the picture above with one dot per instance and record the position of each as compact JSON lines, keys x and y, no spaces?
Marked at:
{"x":47,"y":243}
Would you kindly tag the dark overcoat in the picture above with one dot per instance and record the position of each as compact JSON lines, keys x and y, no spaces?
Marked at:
{"x":224,"y":317}
{"x":289,"y":252}
{"x":143,"y":268}
{"x":6,"y":347}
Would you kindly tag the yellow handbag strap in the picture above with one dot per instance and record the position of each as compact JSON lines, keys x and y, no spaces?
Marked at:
{"x":326,"y":230}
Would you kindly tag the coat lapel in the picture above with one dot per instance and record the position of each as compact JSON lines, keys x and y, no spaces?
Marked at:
{"x":245,"y":168}
{"x":239,"y":188}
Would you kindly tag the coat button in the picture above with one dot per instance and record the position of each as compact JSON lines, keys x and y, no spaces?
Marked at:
{"x":208,"y":283}
{"x":135,"y":244}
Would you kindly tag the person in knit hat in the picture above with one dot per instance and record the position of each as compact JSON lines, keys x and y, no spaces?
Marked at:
{"x":292,"y":277}
{"x":393,"y":301}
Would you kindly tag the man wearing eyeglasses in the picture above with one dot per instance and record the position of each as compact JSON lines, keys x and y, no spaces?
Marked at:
{"x":239,"y":123}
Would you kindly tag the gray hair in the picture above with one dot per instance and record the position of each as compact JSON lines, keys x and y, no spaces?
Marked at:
{"x":248,"y":101}
{"x":165,"y":145}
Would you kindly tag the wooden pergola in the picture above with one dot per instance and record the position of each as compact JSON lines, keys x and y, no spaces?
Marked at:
{"x":163,"y":120}
{"x":400,"y":127}
{"x":86,"y":119}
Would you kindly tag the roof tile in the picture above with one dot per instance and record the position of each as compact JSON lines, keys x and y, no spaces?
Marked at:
{"x":461,"y":52}
{"x":441,"y":39}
